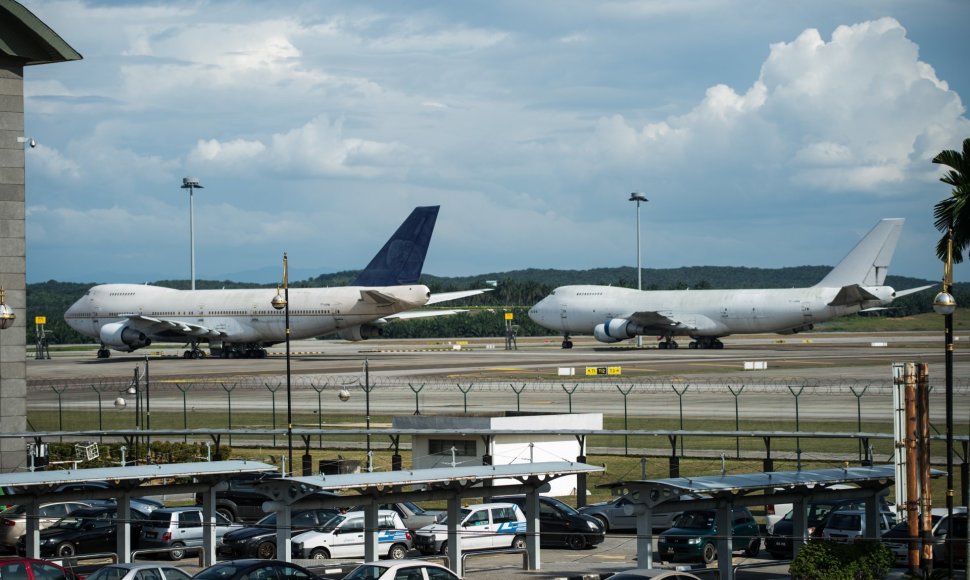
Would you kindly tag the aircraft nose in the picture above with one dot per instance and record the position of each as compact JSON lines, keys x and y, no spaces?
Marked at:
{"x":537,"y":312}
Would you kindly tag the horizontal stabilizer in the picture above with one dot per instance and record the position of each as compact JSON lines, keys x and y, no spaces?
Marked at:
{"x":410,"y":314}
{"x":852,"y":295}
{"x":901,"y":293}
{"x":377,"y":297}
{"x":447,"y":296}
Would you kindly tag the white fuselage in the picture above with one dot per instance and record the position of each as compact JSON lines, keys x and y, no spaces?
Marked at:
{"x":698,"y":313}
{"x":240,"y":316}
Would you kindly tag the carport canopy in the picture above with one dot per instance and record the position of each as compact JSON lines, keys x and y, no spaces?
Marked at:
{"x":724,"y":492}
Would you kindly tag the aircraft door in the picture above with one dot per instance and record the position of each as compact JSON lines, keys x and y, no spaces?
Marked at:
{"x":562,"y":315}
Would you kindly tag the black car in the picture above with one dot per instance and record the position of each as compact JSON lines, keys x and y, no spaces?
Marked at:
{"x":89,"y":530}
{"x":259,"y":540}
{"x":560,"y":524}
{"x":241,"y":502}
{"x":256,"y":570}
{"x":142,"y":504}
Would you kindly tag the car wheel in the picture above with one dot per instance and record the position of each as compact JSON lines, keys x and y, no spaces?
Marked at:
{"x":575,"y":541}
{"x":753,"y":548}
{"x":444,"y":548}
{"x":226,"y":512}
{"x":320,"y":554}
{"x":709,"y":554}
{"x":178,"y":552}
{"x":65,"y":550}
{"x":398,"y":552}
{"x":518,"y":543}
{"x":266,"y":551}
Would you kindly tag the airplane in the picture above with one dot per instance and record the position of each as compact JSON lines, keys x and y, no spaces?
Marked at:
{"x":614,"y":314}
{"x":242,"y":323}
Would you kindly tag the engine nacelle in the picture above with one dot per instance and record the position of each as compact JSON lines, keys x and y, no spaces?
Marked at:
{"x":797,"y":329}
{"x":120,"y":336}
{"x":362,"y":332}
{"x":615,"y":330}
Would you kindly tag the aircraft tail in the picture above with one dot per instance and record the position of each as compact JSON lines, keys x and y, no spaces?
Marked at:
{"x":401,"y":259}
{"x":868,"y":263}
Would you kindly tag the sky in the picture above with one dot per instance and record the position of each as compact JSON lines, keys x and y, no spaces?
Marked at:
{"x":764,"y":133}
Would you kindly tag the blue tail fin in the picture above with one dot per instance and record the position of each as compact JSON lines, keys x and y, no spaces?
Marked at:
{"x":402,"y":257}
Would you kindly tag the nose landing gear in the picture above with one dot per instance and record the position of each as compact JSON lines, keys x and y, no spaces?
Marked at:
{"x":567,"y":343}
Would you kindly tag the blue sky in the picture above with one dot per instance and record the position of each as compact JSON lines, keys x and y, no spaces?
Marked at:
{"x":764,"y":133}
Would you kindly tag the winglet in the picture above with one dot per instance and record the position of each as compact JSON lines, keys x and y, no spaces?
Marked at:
{"x":401,"y":259}
{"x":868,"y":262}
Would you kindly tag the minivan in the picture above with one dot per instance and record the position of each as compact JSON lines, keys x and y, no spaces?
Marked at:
{"x":561,"y":524}
{"x":180,"y":528}
{"x":850,"y":525}
{"x":343,"y":536}
{"x":482,"y":526}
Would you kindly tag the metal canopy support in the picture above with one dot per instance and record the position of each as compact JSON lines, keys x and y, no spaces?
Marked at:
{"x":372,"y":530}
{"x":32,"y":539}
{"x":123,"y":527}
{"x":532,"y":529}
{"x":799,"y":525}
{"x":208,"y":527}
{"x":725,"y":546}
{"x":284,"y":535}
{"x":644,"y":515}
{"x":454,"y":538}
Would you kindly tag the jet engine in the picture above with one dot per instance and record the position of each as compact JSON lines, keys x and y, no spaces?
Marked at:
{"x":120,"y":336}
{"x":616,"y":329}
{"x":362,"y":332}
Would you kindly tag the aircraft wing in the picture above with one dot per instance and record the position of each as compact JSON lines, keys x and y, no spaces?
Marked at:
{"x":156,"y":326}
{"x":409,"y":314}
{"x":446,"y":296}
{"x":651,"y":321}
{"x":851,"y":295}
{"x":377,"y":297}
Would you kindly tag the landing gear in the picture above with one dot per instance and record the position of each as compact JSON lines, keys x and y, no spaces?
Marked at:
{"x":194,"y":352}
{"x":242,"y":351}
{"x":103,"y":352}
{"x":567,"y":343}
{"x":707,"y":342}
{"x":667,"y":342}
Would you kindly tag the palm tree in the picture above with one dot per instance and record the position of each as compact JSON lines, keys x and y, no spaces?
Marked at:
{"x":954,"y":211}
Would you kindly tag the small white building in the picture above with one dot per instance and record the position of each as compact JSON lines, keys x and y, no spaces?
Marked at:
{"x":449,"y":446}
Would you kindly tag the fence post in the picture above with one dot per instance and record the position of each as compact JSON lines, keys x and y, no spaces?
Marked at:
{"x":319,"y":412}
{"x":518,"y":398}
{"x":569,"y":393}
{"x":626,"y":449}
{"x":273,"y":391}
{"x":417,"y":410}
{"x":680,"y":404}
{"x":737,"y":418}
{"x":100,"y":422}
{"x":185,"y":414}
{"x":229,"y":391}
{"x":60,"y":412}
{"x":464,"y":393}
{"x":858,"y":414}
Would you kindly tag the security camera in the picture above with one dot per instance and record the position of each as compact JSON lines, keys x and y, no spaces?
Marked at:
{"x":32,"y":143}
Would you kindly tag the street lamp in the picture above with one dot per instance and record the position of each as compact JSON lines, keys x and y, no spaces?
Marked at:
{"x":191,"y":184}
{"x":945,"y":304}
{"x":282,"y":302}
{"x":638,"y":197}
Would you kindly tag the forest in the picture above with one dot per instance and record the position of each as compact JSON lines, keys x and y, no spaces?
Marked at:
{"x":514,"y":291}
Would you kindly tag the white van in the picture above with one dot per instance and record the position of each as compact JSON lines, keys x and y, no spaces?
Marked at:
{"x":343,"y":537}
{"x":483,"y":526}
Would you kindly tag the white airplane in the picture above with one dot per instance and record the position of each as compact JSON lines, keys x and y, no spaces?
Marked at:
{"x":613,"y":314}
{"x":241,"y":323}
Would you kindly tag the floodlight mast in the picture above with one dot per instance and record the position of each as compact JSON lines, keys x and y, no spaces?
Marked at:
{"x":638,"y":197}
{"x":191,"y":184}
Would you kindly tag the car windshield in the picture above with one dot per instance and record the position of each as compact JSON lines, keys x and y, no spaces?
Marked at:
{"x":332,"y":523}
{"x":367,"y":572}
{"x":108,"y":573}
{"x":695,"y":520}
{"x":267,"y":522}
{"x":816,"y":512}
{"x":461,"y":516}
{"x":562,"y":506}
{"x":413,"y":507}
{"x":219,"y":571}
{"x":70,"y":523}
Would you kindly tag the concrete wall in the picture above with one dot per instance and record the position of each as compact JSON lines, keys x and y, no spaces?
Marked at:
{"x":13,"y":266}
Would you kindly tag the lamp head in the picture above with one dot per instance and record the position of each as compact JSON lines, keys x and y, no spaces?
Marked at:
{"x":278,"y":301}
{"x":944,"y":303}
{"x":638,"y":197}
{"x":191,"y":182}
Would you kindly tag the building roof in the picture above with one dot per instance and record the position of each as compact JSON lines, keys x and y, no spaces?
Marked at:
{"x":212,"y":469}
{"x":25,"y":38}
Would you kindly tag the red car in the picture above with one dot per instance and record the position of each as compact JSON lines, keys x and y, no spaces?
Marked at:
{"x":16,"y":568}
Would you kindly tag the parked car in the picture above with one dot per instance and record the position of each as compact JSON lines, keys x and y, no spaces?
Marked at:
{"x":85,"y":531}
{"x":180,"y":528}
{"x":413,"y":515}
{"x":854,"y":504}
{"x":958,"y":541}
{"x":694,"y":536}
{"x":135,"y":571}
{"x":344,"y":535}
{"x":897,"y":538}
{"x":612,"y":515}
{"x":482,"y":526}
{"x":779,"y":539}
{"x":13,"y":521}
{"x":241,"y":502}
{"x":15,"y":568}
{"x":256,"y":570}
{"x":561,"y":524}
{"x":142,"y":504}
{"x":850,"y":525}
{"x":259,"y":539}
{"x":401,"y":570}
{"x":653,"y":574}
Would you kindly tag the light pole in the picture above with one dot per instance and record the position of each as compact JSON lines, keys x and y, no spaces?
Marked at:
{"x":283,"y":302}
{"x":191,"y":184}
{"x":945,"y":304}
{"x":638,"y":197}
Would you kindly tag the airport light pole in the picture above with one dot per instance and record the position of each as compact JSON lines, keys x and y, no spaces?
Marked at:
{"x":638,"y":197}
{"x":191,"y":184}
{"x":283,"y":302}
{"x":945,"y":304}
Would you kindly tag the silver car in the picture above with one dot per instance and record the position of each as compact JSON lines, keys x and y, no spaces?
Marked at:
{"x":136,"y":571}
{"x":180,"y":528}
{"x":13,"y":522}
{"x":612,"y":514}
